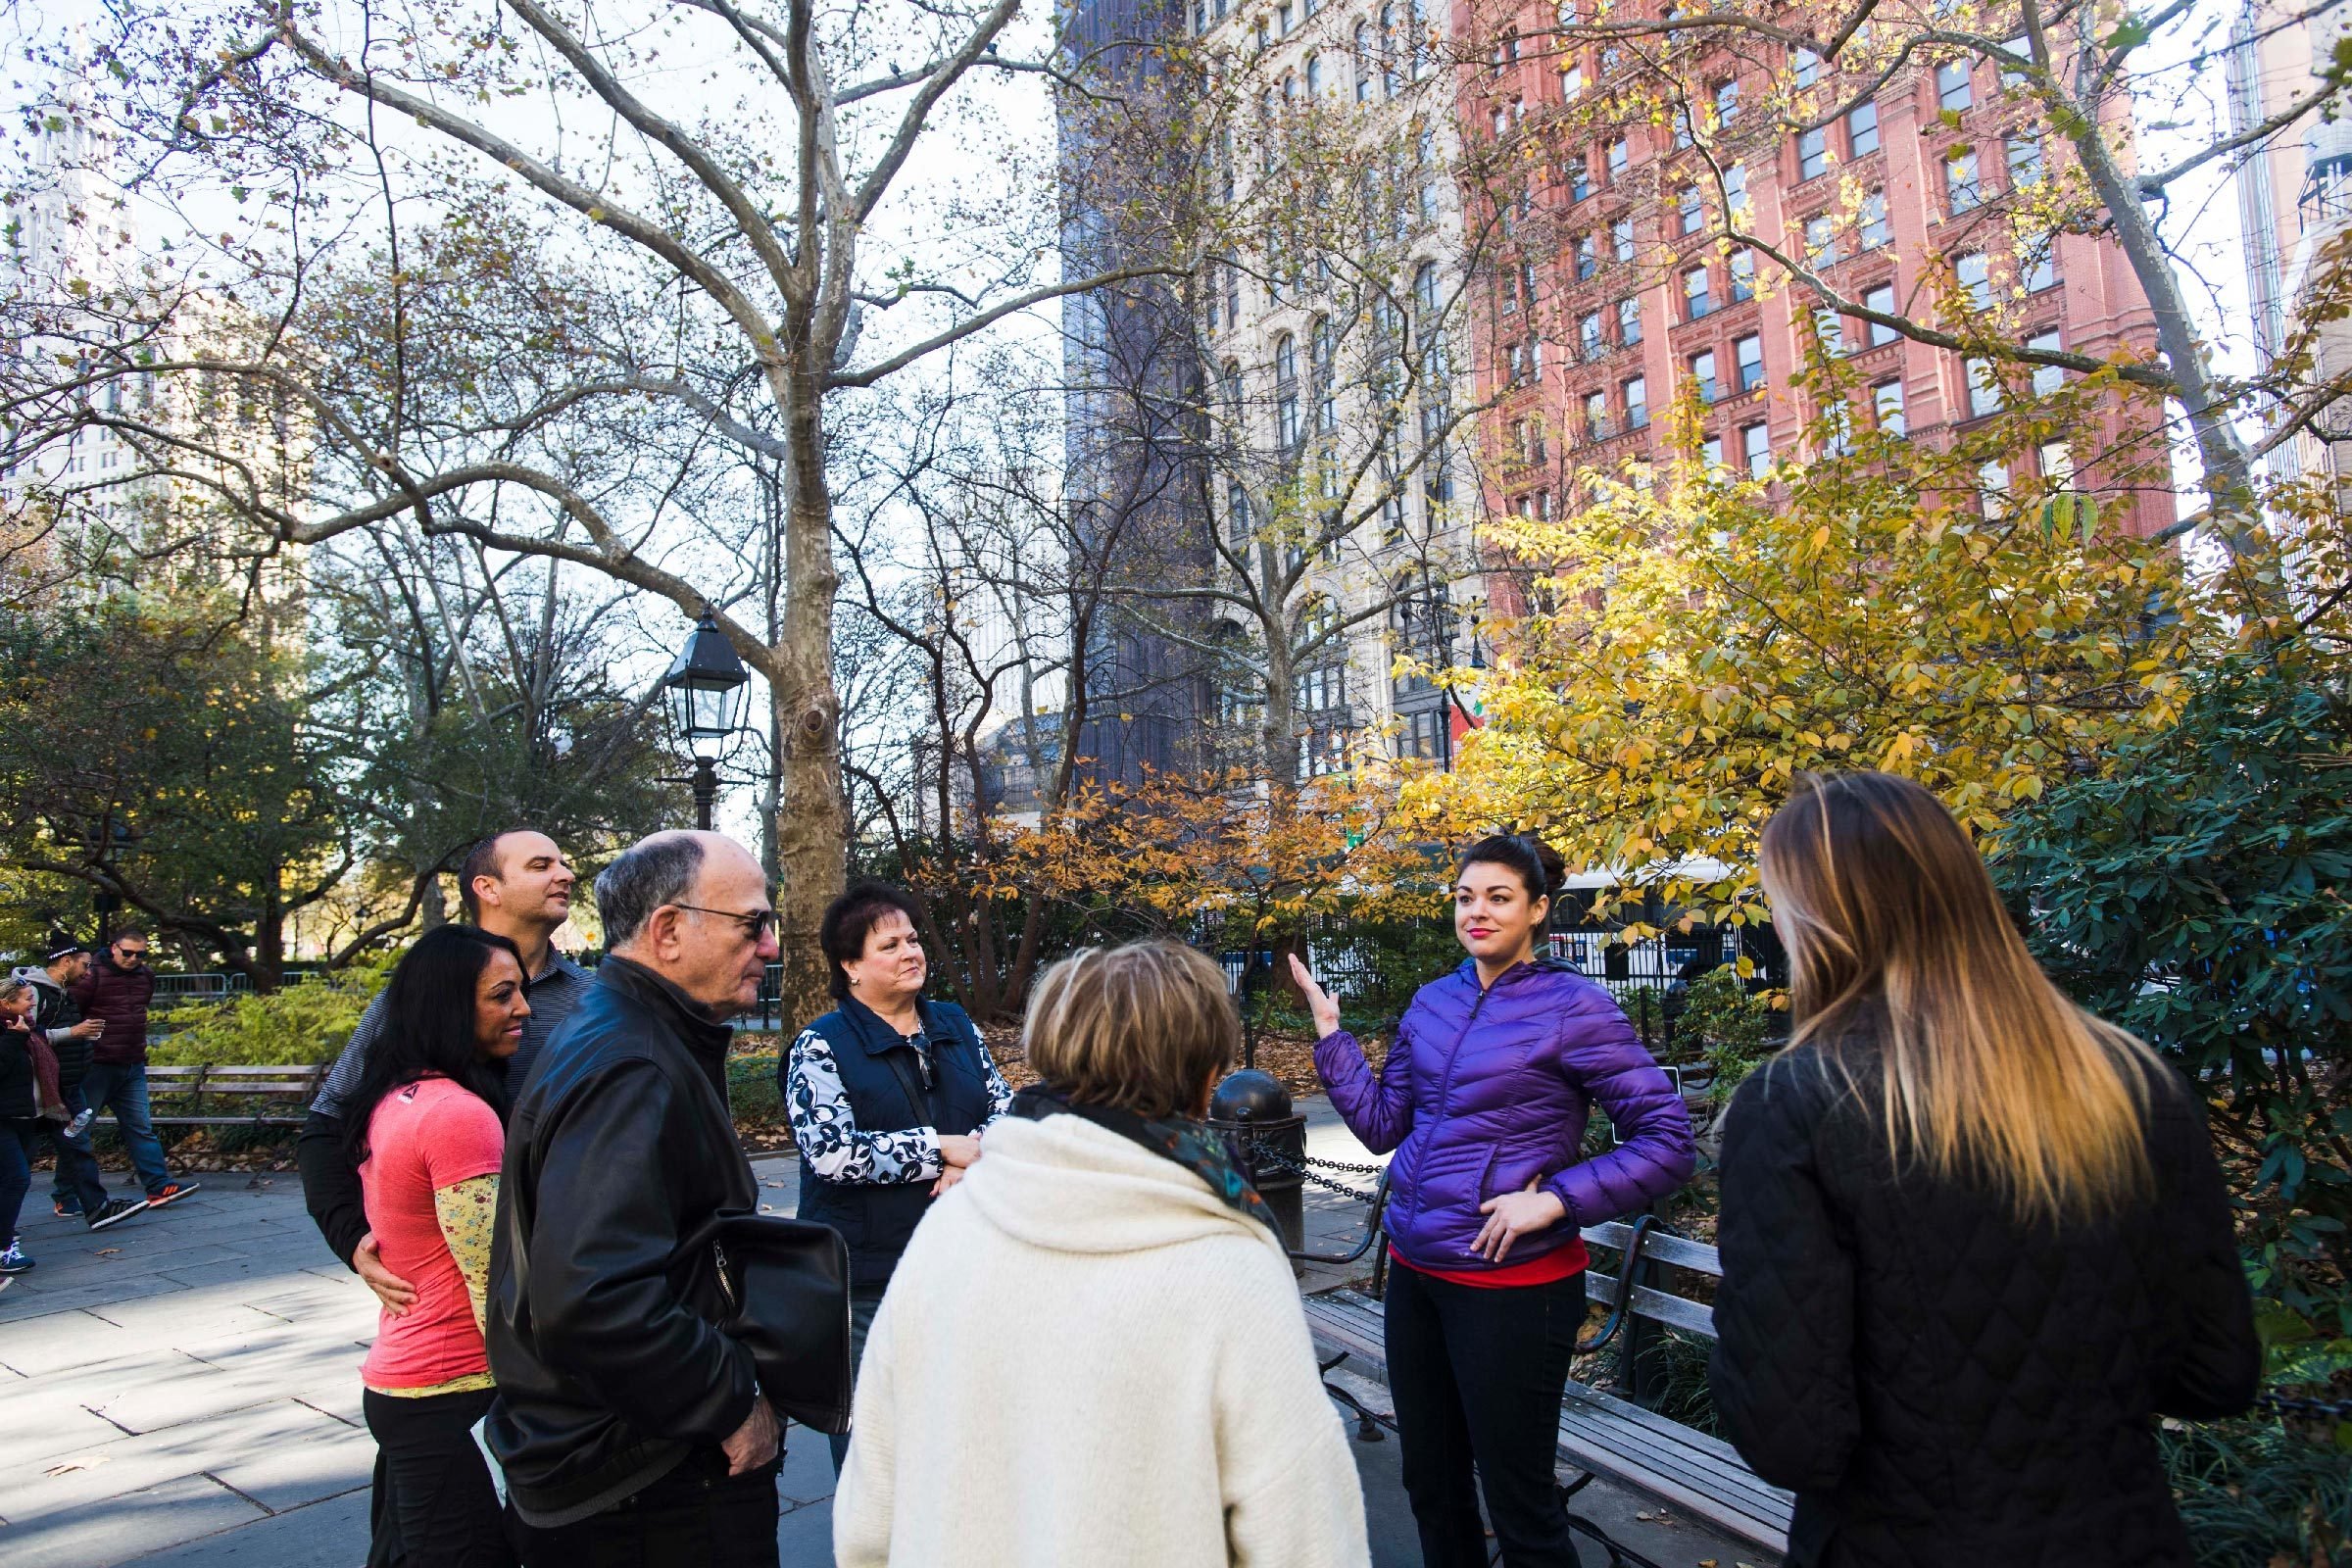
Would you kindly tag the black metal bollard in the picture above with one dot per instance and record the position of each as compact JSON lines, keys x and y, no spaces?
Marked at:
{"x":1254,"y":1113}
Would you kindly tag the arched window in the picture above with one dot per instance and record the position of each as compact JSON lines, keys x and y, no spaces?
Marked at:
{"x":1289,"y":91}
{"x":1363,"y":63}
{"x":1315,"y":77}
{"x":1425,"y":289}
{"x":1321,"y":348}
{"x":1237,"y":514}
{"x":1387,"y":51}
{"x":1285,"y":391}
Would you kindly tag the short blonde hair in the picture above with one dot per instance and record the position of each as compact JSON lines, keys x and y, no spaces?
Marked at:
{"x":1140,"y":1028}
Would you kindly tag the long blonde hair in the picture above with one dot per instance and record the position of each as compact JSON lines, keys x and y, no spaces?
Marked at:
{"x":1901,"y":953}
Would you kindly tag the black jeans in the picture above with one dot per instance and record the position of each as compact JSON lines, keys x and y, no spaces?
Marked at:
{"x":697,"y":1516}
{"x":77,"y":1173}
{"x":1477,"y":1376}
{"x":441,"y":1494}
{"x":16,"y":1134}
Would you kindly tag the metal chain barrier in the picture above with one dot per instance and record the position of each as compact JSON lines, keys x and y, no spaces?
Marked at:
{"x":1299,"y":1167}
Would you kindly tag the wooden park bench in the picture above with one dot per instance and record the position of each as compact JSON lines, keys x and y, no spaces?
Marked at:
{"x":279,"y":1097}
{"x":1601,"y":1433}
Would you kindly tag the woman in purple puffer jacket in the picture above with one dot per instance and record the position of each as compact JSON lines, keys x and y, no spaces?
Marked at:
{"x":1484,"y":1097}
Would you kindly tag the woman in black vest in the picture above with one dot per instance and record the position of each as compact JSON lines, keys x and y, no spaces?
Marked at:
{"x":886,"y":1094}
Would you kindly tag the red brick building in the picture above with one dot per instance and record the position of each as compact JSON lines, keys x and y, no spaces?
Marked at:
{"x":1616,"y":292}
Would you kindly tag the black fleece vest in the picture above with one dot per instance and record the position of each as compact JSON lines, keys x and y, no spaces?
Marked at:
{"x":884,"y":1079}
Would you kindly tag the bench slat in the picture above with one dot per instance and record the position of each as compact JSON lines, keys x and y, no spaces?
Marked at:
{"x":1692,"y":1316}
{"x":1672,"y":1249}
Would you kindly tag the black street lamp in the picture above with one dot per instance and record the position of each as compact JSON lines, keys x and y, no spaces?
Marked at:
{"x":708,"y":690}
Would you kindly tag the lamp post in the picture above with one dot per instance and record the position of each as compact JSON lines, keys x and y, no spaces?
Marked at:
{"x":707,"y":687}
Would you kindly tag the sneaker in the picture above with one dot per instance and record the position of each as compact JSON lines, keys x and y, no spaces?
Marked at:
{"x":173,"y":1193}
{"x":115,"y":1211}
{"x":80,"y":1124}
{"x":65,"y":1209}
{"x":14,"y":1260}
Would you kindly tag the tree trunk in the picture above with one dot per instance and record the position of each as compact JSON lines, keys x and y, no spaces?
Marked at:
{"x":811,"y":819}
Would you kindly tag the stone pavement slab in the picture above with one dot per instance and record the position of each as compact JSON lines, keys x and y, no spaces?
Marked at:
{"x":183,"y":1389}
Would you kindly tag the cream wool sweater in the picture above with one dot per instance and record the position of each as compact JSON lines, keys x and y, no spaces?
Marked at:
{"x":1087,"y":1360}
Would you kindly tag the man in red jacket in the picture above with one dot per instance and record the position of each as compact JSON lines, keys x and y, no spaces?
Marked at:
{"x":117,"y":990}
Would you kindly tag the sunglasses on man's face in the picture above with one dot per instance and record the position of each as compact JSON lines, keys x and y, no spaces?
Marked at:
{"x":130,"y":953}
{"x":755,"y":924}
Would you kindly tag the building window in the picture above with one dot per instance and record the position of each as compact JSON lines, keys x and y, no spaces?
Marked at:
{"x":1237,"y":515}
{"x":1588,"y":257}
{"x":1837,"y":439}
{"x":1572,"y":84}
{"x":1743,"y":275}
{"x":1862,"y":130}
{"x":1735,"y":192}
{"x":1881,"y":300}
{"x":2048,"y":378}
{"x":1983,"y":387}
{"x":1691,"y":209}
{"x":1285,"y":391}
{"x":1314,"y":76}
{"x":1727,"y":103}
{"x":1748,"y":354}
{"x":1696,"y":300}
{"x":2023,"y":48}
{"x":2057,"y":460}
{"x":1629,"y":321}
{"x":1588,"y":336}
{"x":1710,"y":456}
{"x":1636,"y":404}
{"x":1579,"y":180}
{"x":1362,"y":63}
{"x":1963,"y":188}
{"x":1886,"y":405}
{"x":2024,"y":162}
{"x":1621,"y":237}
{"x":1681,"y":125}
{"x":1807,"y":66}
{"x":1617,"y":160}
{"x":1596,"y":416}
{"x":2037,"y":264}
{"x":1976,"y":280}
{"x":1993,"y":490}
{"x":1952,"y":92}
{"x":1812,"y":153}
{"x":1755,"y":448}
{"x":1423,"y":735}
{"x":1821,"y":241}
{"x":1830,"y":327}
{"x":1702,"y":372}
{"x":1875,"y":230}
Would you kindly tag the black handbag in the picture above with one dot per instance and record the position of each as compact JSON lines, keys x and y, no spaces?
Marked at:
{"x":784,"y":1290}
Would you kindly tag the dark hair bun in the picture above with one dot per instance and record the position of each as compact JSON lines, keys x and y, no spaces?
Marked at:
{"x":1538,"y":864}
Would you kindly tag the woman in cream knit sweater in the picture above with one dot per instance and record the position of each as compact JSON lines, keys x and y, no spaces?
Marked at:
{"x":1093,"y":1350}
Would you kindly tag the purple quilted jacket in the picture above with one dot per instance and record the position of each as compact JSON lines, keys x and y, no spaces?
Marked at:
{"x":1483,"y":1091}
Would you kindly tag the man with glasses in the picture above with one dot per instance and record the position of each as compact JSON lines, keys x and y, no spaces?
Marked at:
{"x":116,"y":992}
{"x":629,"y":1428}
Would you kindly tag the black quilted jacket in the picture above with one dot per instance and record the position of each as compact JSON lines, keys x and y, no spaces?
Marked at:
{"x":1941,"y":1386}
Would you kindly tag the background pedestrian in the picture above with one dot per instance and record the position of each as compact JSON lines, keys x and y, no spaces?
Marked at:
{"x":116,"y":992}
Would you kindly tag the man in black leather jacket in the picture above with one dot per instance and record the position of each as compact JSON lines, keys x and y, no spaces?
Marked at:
{"x":628,"y":1427}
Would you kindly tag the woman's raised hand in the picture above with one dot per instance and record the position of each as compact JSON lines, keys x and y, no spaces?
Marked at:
{"x":1320,"y":1003}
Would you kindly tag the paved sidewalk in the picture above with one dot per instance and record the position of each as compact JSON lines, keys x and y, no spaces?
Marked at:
{"x":183,"y":1389}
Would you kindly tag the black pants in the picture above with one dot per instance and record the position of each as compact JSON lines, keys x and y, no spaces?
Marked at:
{"x":697,"y":1516}
{"x":442,"y":1498}
{"x":1477,"y":1376}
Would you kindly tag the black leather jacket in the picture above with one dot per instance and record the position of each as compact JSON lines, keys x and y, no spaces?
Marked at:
{"x":620,"y":1145}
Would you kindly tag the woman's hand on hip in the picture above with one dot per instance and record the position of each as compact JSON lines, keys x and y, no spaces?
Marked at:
{"x":1513,"y":1215}
{"x":1320,"y":1003}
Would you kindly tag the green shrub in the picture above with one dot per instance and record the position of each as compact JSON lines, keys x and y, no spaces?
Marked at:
{"x":2254,"y":1494}
{"x":751,"y":1091}
{"x":1722,"y":1023}
{"x":300,"y":1024}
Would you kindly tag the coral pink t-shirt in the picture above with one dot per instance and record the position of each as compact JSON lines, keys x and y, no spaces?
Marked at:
{"x":424,"y":1137}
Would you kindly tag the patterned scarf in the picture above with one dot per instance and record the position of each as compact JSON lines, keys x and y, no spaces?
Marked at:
{"x":1189,"y":1144}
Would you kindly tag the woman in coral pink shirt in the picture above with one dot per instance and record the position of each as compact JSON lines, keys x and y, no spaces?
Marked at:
{"x":428,"y":1141}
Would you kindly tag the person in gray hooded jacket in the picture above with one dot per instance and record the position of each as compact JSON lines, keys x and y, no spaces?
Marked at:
{"x":81,"y":1189}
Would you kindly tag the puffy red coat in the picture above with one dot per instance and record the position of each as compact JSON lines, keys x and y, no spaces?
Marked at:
{"x":120,"y":995}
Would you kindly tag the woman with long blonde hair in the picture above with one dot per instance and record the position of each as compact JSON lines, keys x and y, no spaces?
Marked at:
{"x":1974,"y":1241}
